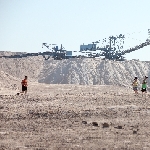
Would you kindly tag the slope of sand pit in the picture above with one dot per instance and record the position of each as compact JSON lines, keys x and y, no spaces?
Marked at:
{"x":85,"y":71}
{"x":62,"y":117}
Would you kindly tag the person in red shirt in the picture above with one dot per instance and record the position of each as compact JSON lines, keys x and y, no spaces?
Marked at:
{"x":24,"y":85}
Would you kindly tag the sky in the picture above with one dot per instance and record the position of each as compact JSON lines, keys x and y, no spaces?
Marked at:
{"x":26,"y":24}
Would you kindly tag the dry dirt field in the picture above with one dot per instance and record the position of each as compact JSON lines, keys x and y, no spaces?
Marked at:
{"x":74,"y":117}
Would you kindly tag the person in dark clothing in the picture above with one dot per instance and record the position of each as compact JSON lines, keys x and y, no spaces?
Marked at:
{"x":144,"y":86}
{"x":24,"y":85}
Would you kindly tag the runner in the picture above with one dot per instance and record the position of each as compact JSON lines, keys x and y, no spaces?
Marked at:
{"x":24,"y":85}
{"x":135,"y":85}
{"x":144,"y":86}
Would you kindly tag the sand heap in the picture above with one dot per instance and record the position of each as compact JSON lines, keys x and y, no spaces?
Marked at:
{"x":93,"y":72}
{"x":19,"y":67}
{"x":76,"y":71}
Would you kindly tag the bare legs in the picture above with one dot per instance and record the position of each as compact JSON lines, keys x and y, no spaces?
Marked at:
{"x":136,"y":92}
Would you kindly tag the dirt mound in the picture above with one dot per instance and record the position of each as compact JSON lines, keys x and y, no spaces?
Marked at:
{"x":76,"y":71}
{"x":19,"y":67}
{"x":93,"y":72}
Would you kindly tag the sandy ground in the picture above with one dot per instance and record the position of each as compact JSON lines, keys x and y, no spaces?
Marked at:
{"x":76,"y":117}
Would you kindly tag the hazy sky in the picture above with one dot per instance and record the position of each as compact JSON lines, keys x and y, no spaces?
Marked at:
{"x":26,"y":24}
